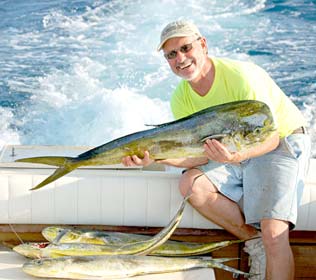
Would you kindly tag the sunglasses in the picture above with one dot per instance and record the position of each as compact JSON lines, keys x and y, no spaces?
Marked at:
{"x":183,"y":49}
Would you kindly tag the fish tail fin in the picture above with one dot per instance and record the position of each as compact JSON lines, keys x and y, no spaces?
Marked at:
{"x":218,"y":263}
{"x":61,"y":171}
{"x":56,"y":161}
{"x":66,"y":165}
{"x":166,"y":232}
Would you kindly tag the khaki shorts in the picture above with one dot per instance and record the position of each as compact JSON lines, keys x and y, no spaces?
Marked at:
{"x":269,"y":186}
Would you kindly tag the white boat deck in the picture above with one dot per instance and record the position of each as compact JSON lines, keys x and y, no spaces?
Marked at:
{"x":104,"y":195}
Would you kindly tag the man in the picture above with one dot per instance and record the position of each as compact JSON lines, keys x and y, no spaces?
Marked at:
{"x":252,"y":193}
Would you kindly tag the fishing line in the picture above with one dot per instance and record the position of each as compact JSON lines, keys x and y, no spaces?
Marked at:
{"x":13,"y":230}
{"x":189,"y":191}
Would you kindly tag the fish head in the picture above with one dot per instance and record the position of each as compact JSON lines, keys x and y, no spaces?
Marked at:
{"x":50,"y":233}
{"x":60,"y":234}
{"x":43,"y":267}
{"x":237,"y":125}
{"x":30,"y":250}
{"x":252,"y":125}
{"x":258,"y":128}
{"x":63,"y":267}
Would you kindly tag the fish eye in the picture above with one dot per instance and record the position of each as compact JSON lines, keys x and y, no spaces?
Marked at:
{"x":257,"y":130}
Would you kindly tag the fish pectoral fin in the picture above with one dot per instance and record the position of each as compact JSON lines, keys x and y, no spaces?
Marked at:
{"x":77,"y":275}
{"x":87,"y":234}
{"x":155,"y":125}
{"x":60,"y":235}
{"x":218,"y":137}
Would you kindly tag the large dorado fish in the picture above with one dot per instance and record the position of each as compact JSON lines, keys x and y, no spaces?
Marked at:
{"x":111,"y":267}
{"x":57,"y":234}
{"x":239,"y":125}
{"x":142,"y":247}
{"x":38,"y":250}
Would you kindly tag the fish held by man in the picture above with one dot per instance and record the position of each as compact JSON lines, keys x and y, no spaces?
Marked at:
{"x":111,"y":267}
{"x":238,"y":125}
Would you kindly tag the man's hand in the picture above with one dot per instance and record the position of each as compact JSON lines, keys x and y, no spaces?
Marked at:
{"x":216,"y":151}
{"x":136,"y":161}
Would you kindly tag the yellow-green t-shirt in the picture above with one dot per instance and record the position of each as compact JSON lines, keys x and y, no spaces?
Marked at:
{"x":234,"y":81}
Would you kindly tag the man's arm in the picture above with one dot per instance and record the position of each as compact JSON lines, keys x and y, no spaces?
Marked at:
{"x":178,"y":162}
{"x":184,"y":162}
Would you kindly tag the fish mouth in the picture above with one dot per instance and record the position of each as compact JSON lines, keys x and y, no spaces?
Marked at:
{"x":31,"y":268}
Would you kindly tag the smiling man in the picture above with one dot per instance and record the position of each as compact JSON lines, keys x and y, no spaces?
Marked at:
{"x":253,"y":193}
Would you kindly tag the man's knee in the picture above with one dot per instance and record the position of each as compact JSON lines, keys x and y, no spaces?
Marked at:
{"x":194,"y":182}
{"x":187,"y":179}
{"x":275,"y":233}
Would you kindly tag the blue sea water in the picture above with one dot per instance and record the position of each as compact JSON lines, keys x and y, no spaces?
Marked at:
{"x":85,"y":72}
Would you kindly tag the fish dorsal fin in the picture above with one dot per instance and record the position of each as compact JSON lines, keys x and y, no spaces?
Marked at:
{"x":214,"y":136}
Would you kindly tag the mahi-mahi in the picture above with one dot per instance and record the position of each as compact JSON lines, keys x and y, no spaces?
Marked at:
{"x":111,"y":267}
{"x":141,"y":247}
{"x":238,"y":125}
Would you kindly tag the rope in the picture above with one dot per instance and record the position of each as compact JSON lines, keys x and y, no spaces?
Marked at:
{"x":13,"y":230}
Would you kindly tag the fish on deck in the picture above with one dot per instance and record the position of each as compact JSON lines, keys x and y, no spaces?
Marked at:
{"x":142,"y":247}
{"x":169,"y":248}
{"x":111,"y":267}
{"x":37,"y":250}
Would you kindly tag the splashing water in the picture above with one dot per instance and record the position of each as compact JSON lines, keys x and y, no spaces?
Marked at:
{"x":83,"y":73}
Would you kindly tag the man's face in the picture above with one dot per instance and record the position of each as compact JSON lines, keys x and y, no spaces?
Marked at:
{"x":186,"y":56}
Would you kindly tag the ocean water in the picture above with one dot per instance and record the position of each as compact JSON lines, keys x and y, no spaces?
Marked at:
{"x":85,"y":72}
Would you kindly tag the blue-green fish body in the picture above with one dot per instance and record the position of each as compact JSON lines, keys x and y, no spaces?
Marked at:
{"x":239,"y":125}
{"x":140,"y":247}
{"x":111,"y":267}
{"x":113,"y":240}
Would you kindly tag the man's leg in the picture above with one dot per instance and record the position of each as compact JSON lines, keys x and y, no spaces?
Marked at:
{"x":206,"y":199}
{"x":280,"y":262}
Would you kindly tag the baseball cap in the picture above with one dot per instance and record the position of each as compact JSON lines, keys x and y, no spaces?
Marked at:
{"x":180,"y":28}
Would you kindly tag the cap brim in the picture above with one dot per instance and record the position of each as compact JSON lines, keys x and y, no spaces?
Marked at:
{"x":173,"y":36}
